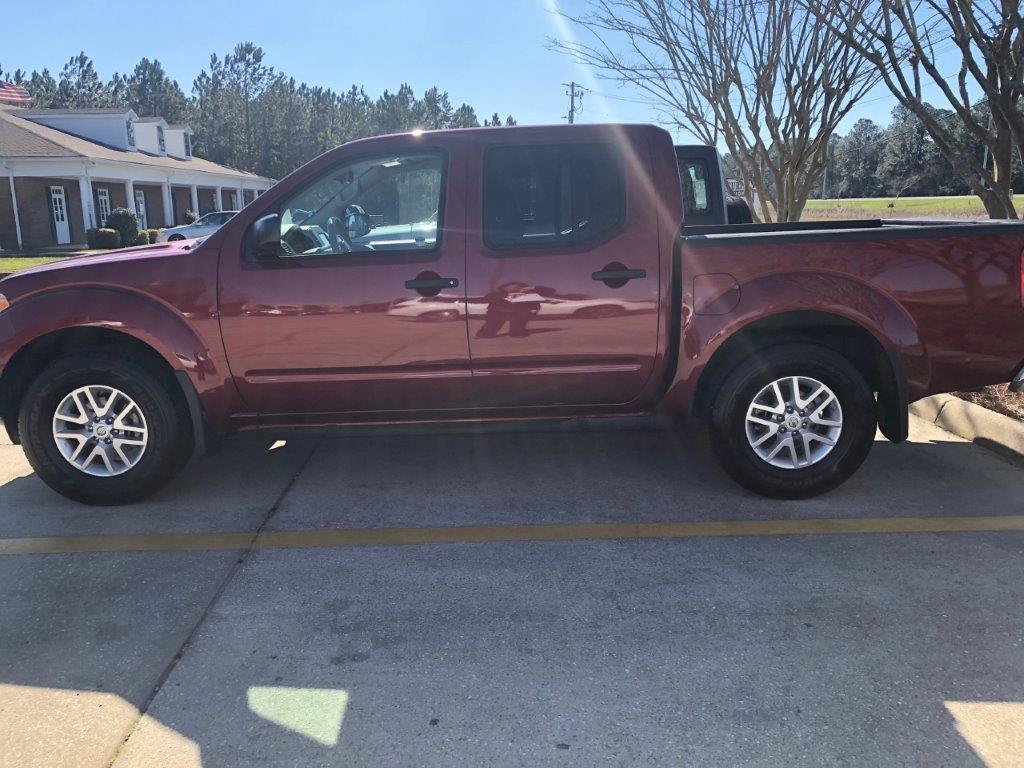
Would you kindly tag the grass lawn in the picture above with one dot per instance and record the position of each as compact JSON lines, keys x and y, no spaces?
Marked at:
{"x":15,"y":263}
{"x":967,"y":207}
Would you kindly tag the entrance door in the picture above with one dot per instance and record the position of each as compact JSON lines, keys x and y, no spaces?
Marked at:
{"x":362,"y":309}
{"x":103,"y":203}
{"x":59,"y":209}
{"x":563,"y":297}
{"x":140,"y":209}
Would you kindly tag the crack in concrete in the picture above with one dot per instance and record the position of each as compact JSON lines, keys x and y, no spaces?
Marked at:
{"x":221,"y":588}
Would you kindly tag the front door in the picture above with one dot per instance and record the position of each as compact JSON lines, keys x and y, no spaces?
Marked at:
{"x":103,"y":204}
{"x":59,"y":211}
{"x":330,"y":326}
{"x":140,"y":209}
{"x":563,"y":275}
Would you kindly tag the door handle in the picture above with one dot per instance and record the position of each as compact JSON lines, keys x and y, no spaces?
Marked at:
{"x":431,"y":283}
{"x":616,"y":275}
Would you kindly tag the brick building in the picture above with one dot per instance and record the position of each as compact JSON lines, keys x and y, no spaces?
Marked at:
{"x":67,"y":169}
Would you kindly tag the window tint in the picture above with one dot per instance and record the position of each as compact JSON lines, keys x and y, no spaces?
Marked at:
{"x":552,"y":195}
{"x":385,"y":204}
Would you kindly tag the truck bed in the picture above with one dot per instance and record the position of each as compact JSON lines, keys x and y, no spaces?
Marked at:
{"x":849,"y":229}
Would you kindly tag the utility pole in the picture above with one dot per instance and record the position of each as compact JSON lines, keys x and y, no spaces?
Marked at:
{"x":575,"y":92}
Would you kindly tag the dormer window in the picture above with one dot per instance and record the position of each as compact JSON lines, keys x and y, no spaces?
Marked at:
{"x":160,"y":141}
{"x":131,"y":132}
{"x":188,"y":143}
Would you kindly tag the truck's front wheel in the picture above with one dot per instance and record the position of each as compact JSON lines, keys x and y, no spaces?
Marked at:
{"x":102,"y":430}
{"x":793,"y":421}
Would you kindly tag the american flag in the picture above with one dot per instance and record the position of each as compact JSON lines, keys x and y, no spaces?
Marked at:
{"x":13,"y":94}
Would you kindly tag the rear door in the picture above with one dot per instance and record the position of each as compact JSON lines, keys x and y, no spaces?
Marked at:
{"x":563,"y":272}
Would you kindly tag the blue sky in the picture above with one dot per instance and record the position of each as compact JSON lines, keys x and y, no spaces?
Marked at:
{"x":492,"y":55}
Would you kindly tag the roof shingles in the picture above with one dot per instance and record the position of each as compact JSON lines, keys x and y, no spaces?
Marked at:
{"x":25,"y":139}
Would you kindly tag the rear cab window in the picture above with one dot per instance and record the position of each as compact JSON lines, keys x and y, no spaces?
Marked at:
{"x":695,"y":187}
{"x":539,"y":196}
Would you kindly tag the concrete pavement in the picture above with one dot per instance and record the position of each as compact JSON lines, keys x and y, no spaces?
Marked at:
{"x":853,"y":649}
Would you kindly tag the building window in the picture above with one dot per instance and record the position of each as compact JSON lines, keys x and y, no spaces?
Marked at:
{"x":160,"y":141}
{"x":130,"y":127}
{"x":103,"y":203}
{"x":187,"y":137}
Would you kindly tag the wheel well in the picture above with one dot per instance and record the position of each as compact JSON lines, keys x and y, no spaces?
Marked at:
{"x":883,"y":371}
{"x":28,"y":361}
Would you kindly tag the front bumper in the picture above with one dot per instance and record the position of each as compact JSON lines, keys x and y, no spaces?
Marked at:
{"x":1017,"y":385}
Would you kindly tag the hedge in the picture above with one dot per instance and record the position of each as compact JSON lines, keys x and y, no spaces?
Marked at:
{"x":105,"y":238}
{"x":126,"y":223}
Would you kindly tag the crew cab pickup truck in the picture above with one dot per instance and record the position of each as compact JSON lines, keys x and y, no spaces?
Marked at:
{"x":568,"y":283}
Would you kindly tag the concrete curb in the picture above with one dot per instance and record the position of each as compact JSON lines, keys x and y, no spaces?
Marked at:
{"x":973,"y":422}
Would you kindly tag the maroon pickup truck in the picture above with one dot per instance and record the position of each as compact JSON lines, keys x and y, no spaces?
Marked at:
{"x":504,"y":274}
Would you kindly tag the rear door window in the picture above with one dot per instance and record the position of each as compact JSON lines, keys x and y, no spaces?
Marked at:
{"x":551,"y":195}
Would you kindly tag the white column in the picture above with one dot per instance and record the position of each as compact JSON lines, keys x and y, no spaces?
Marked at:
{"x":194,"y":191}
{"x":218,"y":199}
{"x":241,"y":199}
{"x":168,"y":205}
{"x":85,"y":191}
{"x":14,"y":205}
{"x":129,"y":196}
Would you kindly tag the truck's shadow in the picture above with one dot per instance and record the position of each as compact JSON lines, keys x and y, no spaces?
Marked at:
{"x":407,"y":630}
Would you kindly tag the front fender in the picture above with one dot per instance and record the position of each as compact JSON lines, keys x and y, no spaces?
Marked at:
{"x":188,"y":344}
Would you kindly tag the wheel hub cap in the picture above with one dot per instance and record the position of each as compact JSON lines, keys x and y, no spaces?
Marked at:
{"x":794,"y":422}
{"x":100,"y":431}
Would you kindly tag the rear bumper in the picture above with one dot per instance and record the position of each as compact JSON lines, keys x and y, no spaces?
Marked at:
{"x":1017,"y":385}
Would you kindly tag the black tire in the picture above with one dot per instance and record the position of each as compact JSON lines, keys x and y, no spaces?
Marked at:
{"x":170,"y":433}
{"x":737,"y":392}
{"x":174,"y":238}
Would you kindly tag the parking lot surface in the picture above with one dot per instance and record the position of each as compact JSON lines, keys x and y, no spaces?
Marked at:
{"x":600,"y":596}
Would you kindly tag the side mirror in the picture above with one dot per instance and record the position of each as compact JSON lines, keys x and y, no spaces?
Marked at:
{"x":266,"y":237}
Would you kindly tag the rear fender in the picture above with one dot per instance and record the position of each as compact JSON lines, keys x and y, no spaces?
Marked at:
{"x":769,"y":301}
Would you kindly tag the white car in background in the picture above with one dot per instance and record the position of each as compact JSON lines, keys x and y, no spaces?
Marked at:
{"x":202,"y":227}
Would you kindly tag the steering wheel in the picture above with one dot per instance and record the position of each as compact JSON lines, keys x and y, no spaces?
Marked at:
{"x":338,"y":232}
{"x":357,"y":221}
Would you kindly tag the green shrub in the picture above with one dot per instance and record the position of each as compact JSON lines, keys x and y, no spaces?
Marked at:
{"x":154,"y":234}
{"x":191,"y":217}
{"x":126,"y":223}
{"x":90,"y":237}
{"x":143,"y":238}
{"x":107,"y":238}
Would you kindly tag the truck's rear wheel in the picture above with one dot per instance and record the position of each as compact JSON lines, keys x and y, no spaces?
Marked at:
{"x":102,"y":430}
{"x":793,"y":421}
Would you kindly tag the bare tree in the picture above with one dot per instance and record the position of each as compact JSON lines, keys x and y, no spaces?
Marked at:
{"x":904,"y":40}
{"x":761,"y":75}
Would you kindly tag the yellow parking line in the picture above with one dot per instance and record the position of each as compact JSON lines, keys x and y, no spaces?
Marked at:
{"x":474,"y":534}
